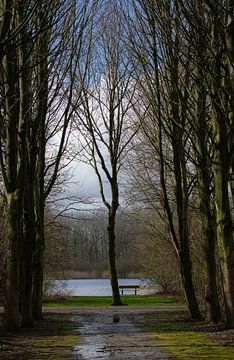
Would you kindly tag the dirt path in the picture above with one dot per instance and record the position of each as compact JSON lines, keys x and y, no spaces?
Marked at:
{"x":111,"y":309}
{"x":89,"y":333}
{"x":104,"y":339}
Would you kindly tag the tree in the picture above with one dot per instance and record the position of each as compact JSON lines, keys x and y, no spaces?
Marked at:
{"x":14,"y":125}
{"x":35,"y":108}
{"x":214,"y":19}
{"x":104,"y":119}
{"x":221,"y":92}
{"x":157,"y":48}
{"x":63,"y":56}
{"x":201,"y":138}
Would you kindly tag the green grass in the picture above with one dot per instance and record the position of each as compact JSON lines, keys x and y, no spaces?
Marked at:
{"x":131,"y":300}
{"x":54,"y":347}
{"x":50,"y":339}
{"x":188,"y":345}
{"x":185,"y":342}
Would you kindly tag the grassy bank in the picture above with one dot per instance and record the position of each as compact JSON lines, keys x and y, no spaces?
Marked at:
{"x":186,"y":340}
{"x":131,"y":300}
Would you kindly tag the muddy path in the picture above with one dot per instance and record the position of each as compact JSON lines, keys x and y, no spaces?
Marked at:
{"x":89,"y":333}
{"x":101,"y":338}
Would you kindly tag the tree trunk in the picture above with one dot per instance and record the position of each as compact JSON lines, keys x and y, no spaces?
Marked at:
{"x":12,"y":181}
{"x":116,"y":300}
{"x":39,"y":249}
{"x":222,"y":121}
{"x":11,"y":305}
{"x":185,"y":260}
{"x":180,"y":241}
{"x":230,"y":61}
{"x":38,"y":262}
{"x":178,"y":104}
{"x":27,"y":258}
{"x":25,"y":122}
{"x":39,"y":196}
{"x":203,"y":170}
{"x":212,"y":300}
{"x":226,"y":250}
{"x":187,"y":281}
{"x":181,"y":195}
{"x":209,"y":238}
{"x":224,"y":221}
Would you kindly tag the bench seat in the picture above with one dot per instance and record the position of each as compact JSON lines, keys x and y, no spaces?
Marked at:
{"x":129,"y":287}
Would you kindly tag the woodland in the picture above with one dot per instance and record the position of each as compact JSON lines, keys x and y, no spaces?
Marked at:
{"x":143,"y":92}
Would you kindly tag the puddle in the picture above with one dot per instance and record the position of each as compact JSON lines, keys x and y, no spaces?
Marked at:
{"x":104,"y":339}
{"x":89,"y":352}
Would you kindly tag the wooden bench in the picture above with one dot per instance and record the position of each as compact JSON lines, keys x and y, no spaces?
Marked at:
{"x":129,"y":287}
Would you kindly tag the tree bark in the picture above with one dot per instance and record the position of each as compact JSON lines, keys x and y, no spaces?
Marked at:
{"x":116,"y":300}
{"x":11,"y":305}
{"x":38,"y":270}
{"x":38,"y":258}
{"x":222,"y":121}
{"x":187,"y":281}
{"x":230,"y":61}
{"x":212,"y":299}
{"x":184,"y":249}
{"x":224,"y":220}
{"x":39,"y":184}
{"x":209,"y":236}
{"x":12,"y":177}
{"x":181,"y":189}
{"x":204,"y":172}
{"x":27,"y":258}
{"x":25,"y":123}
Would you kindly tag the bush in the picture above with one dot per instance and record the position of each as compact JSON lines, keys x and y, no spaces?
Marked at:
{"x":56,"y":289}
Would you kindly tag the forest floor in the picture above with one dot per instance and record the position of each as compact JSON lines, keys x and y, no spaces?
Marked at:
{"x":142,"y":333}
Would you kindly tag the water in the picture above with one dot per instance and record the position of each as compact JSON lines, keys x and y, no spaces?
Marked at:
{"x":93,"y":287}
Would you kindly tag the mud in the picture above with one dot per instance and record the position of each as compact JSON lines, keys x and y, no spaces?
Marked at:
{"x":104,"y":339}
{"x":88,"y":334}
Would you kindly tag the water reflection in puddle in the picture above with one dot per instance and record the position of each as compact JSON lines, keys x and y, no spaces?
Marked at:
{"x":89,"y":351}
{"x":103,"y":338}
{"x":106,"y":340}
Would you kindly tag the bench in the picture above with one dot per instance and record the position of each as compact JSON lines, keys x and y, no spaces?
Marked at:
{"x":129,"y":287}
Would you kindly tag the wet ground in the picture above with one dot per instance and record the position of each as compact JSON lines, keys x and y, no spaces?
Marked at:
{"x":89,"y":334}
{"x":102,"y":338}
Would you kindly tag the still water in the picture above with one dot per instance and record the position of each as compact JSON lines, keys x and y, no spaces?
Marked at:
{"x":93,"y":287}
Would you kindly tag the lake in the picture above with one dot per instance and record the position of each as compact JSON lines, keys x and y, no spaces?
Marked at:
{"x":93,"y":287}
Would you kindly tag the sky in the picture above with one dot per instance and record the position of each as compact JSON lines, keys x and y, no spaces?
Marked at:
{"x":85,"y":186}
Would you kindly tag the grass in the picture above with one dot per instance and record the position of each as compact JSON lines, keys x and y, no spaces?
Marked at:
{"x":192,"y":345}
{"x":51,"y":339}
{"x":131,"y":300}
{"x":184,"y":341}
{"x":54,"y":347}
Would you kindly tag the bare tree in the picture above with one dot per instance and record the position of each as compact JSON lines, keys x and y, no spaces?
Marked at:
{"x":66,"y":52}
{"x":15,"y":115}
{"x":40,"y":54}
{"x":212,"y":23}
{"x":157,"y":48}
{"x":105,"y":118}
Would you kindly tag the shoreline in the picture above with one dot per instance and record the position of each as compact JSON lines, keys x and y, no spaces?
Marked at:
{"x":85,"y":275}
